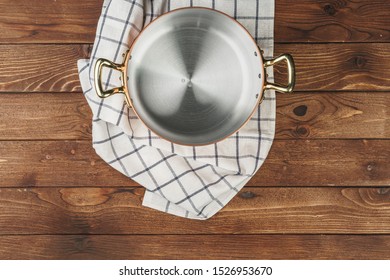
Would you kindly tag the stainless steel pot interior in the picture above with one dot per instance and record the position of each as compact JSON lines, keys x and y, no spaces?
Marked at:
{"x":195,"y":76}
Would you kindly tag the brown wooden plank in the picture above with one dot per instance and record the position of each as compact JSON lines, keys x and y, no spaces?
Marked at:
{"x":55,"y":163}
{"x":46,"y":21}
{"x":71,"y":21}
{"x":252,"y":211}
{"x":331,"y":67}
{"x":195,"y":247}
{"x":290,"y":163}
{"x":49,"y":116}
{"x":335,"y":67}
{"x":332,"y":21}
{"x":40,"y":68}
{"x":333,"y":115}
{"x":56,"y":116}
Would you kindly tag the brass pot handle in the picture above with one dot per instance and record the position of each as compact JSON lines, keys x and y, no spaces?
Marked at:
{"x":100,"y":63}
{"x":290,"y":73}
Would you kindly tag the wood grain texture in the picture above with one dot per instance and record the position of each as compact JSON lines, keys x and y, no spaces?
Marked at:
{"x":55,"y":163}
{"x":252,"y":211}
{"x":335,"y":67}
{"x":47,"y":21}
{"x":40,"y":68}
{"x":213,"y":247}
{"x":71,"y":21}
{"x":290,"y":163}
{"x":53,"y":68}
{"x":332,"y":21}
{"x":347,"y":115}
{"x":49,"y":116}
{"x":333,"y":115}
{"x":323,"y":193}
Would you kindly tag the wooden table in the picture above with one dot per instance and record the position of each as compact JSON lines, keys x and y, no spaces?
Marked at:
{"x":323,"y":193}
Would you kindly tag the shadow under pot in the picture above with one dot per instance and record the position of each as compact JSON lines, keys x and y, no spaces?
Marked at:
{"x":194,"y":76}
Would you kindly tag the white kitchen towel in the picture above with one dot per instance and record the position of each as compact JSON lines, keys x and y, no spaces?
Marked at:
{"x":192,"y":182}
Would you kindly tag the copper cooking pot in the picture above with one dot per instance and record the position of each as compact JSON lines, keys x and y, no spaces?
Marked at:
{"x":194,"y":76}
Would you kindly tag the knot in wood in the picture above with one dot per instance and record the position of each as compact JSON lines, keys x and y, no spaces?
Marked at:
{"x":302,"y":131}
{"x":247,"y":195}
{"x":300,"y":111}
{"x":370,"y":166}
{"x":330,"y":9}
{"x":383,"y":191}
{"x":360,"y":61}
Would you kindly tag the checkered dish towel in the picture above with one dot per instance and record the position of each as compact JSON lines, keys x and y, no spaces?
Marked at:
{"x":192,"y":182}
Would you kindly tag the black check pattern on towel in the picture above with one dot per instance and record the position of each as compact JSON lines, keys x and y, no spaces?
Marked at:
{"x":192,"y":182}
